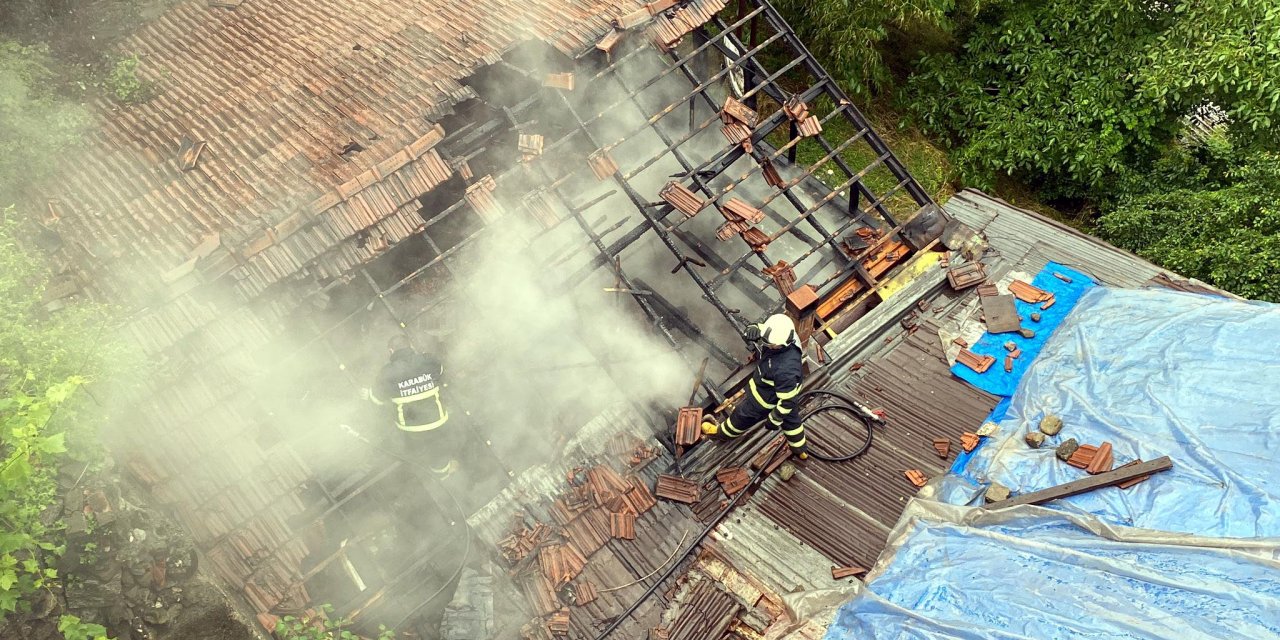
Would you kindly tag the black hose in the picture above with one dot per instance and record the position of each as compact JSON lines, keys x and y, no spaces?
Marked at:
{"x":845,"y":404}
{"x":706,"y":531}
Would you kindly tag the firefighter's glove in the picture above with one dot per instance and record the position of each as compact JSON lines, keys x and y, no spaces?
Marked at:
{"x":774,"y":422}
{"x":752,"y":333}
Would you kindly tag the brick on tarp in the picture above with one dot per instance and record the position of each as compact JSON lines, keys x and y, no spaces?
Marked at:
{"x":1102,"y":460}
{"x":974,"y":361}
{"x":969,"y":441}
{"x":1083,"y":456}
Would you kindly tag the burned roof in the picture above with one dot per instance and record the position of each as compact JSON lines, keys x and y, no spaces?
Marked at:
{"x":805,"y":535}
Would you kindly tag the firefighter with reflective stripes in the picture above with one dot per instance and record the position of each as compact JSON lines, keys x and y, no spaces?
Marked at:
{"x":772,"y":390}
{"x":410,"y":384}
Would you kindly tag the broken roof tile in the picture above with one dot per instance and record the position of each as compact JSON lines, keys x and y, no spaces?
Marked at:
{"x":735,"y":111}
{"x":1027,"y":292}
{"x":677,"y":489}
{"x":562,"y":81}
{"x":602,"y":164}
{"x":684,"y":200}
{"x":688,"y":426}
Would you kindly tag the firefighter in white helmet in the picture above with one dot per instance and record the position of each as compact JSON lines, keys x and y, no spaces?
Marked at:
{"x":772,"y":390}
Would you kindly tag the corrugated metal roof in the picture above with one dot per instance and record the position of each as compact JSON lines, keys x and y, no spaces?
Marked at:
{"x":1029,"y":239}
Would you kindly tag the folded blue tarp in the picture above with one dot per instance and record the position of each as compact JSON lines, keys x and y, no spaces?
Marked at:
{"x":955,"y":572}
{"x":1156,"y":373}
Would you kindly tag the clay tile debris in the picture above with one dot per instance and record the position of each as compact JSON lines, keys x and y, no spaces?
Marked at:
{"x":584,"y":593}
{"x":916,"y":477}
{"x":1102,"y":461}
{"x":969,"y":441}
{"x":480,"y":196}
{"x":736,"y":111}
{"x":638,"y":495}
{"x":602,"y":164}
{"x":684,"y":200}
{"x":1083,"y":456}
{"x":733,"y":480}
{"x":809,"y":127}
{"x":640,"y":456}
{"x":558,"y":623}
{"x":974,"y":361}
{"x":795,"y":108}
{"x":623,"y":525}
{"x":189,"y":153}
{"x":1008,"y":363}
{"x":1048,"y":303}
{"x":518,"y":545}
{"x":689,"y":426}
{"x":563,"y":81}
{"x":735,"y":210}
{"x":942,"y":446}
{"x":677,"y":489}
{"x":784,"y":277}
{"x":770,"y":173}
{"x":738,"y":133}
{"x":659,"y":633}
{"x":801,"y":300}
{"x":1028,"y":293}
{"x":756,"y":239}
{"x":610,"y":41}
{"x":840,"y":573}
{"x":967,"y":275}
{"x":988,"y":290}
{"x":1129,"y":483}
{"x":658,"y":6}
{"x":605,"y":483}
{"x":530,"y":145}
{"x":633,"y":19}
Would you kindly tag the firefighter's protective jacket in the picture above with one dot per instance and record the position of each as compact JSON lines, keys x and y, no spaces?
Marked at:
{"x":772,"y":390}
{"x":411,"y":383}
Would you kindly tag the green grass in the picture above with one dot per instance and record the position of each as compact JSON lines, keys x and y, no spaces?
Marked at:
{"x":927,"y":163}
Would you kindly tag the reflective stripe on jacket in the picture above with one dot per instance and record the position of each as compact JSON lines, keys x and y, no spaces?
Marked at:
{"x":411,"y":382}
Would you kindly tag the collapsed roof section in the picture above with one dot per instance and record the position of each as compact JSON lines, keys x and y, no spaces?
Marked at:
{"x":294,"y":156}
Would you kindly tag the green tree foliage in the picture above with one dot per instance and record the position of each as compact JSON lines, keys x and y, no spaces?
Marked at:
{"x":36,"y":123}
{"x":852,"y":38}
{"x":322,"y":628}
{"x":1212,"y":213}
{"x":44,"y":360}
{"x":1068,"y":96}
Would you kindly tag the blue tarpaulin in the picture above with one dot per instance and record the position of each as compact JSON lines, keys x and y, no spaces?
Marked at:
{"x":1033,"y":573}
{"x":1189,"y":553}
{"x":1156,"y":373}
{"x":996,"y":380}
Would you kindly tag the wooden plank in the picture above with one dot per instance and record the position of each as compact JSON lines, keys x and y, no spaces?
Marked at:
{"x":1084,"y":485}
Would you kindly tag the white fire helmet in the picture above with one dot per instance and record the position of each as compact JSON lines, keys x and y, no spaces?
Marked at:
{"x":779,"y":331}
